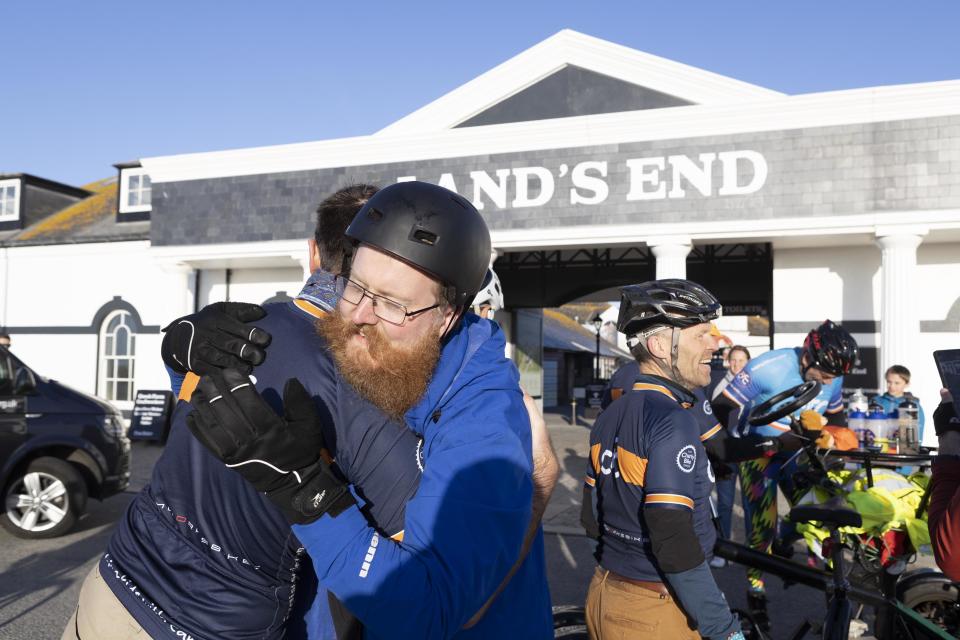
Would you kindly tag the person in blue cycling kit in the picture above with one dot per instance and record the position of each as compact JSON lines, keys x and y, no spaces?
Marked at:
{"x":401,"y":338}
{"x":651,"y":478}
{"x":828,"y":352}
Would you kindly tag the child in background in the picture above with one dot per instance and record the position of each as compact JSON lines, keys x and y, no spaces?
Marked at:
{"x":898,"y":379}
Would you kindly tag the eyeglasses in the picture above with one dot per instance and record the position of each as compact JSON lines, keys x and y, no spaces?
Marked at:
{"x":384,"y":308}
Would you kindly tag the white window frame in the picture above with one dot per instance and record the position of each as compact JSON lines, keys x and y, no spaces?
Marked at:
{"x":107,"y":385}
{"x":125,"y":175}
{"x":15,"y":215}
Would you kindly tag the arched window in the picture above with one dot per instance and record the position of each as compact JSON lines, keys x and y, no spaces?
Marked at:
{"x":117,"y":351}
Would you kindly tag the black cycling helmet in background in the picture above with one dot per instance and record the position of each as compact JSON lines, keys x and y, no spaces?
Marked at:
{"x":659,"y":304}
{"x":432,"y":229}
{"x":831,"y":349}
{"x":674,"y":303}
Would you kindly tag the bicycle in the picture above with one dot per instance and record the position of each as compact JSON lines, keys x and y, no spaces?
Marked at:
{"x":906,"y":603}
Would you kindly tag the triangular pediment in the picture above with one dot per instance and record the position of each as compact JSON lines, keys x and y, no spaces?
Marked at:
{"x":572,"y":74}
{"x":573,"y":91}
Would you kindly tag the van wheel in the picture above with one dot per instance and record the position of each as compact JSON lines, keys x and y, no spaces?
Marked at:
{"x":45,"y":500}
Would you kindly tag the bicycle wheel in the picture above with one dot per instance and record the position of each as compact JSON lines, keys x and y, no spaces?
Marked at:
{"x":937,"y":601}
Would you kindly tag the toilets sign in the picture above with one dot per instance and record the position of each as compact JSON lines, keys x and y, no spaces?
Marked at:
{"x":593,"y":182}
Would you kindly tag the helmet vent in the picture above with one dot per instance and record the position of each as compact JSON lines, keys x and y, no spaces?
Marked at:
{"x":424,"y":237}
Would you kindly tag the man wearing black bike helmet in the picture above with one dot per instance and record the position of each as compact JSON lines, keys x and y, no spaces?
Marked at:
{"x":651,"y":477}
{"x":828,"y":352}
{"x":401,"y":337}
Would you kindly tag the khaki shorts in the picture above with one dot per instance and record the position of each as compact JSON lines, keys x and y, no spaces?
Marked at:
{"x":618,"y":610}
{"x":99,"y":615}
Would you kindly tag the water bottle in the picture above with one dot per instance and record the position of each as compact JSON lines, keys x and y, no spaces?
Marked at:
{"x":857,"y":421}
{"x":858,"y":402}
{"x":876,"y":424}
{"x":892,"y":444}
{"x":909,"y":424}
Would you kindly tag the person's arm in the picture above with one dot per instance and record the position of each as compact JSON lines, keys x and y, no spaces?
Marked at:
{"x":943,"y":512}
{"x":545,"y":473}
{"x":836,"y":416}
{"x":668,"y":513}
{"x":721,"y":446}
{"x":464,"y":529}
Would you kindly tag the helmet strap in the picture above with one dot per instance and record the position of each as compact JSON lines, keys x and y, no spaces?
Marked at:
{"x":674,"y":357}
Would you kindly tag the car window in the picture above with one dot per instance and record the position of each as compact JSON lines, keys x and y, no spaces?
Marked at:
{"x":6,"y":374}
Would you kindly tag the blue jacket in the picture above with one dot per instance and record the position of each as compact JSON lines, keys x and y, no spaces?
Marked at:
{"x":465,"y":525}
{"x":200,"y":552}
{"x":891,"y":404}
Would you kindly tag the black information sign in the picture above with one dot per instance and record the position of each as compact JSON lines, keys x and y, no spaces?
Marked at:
{"x":594,"y":395}
{"x":151,"y":415}
{"x":865,"y":373}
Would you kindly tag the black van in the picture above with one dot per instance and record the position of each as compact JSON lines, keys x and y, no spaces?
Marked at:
{"x":57,"y":447}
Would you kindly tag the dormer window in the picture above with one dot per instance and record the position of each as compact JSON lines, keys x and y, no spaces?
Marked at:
{"x":135,"y":191}
{"x":9,"y":200}
{"x":135,"y":194}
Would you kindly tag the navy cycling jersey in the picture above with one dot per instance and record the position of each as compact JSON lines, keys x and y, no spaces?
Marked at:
{"x":623,"y":379}
{"x":646,"y":454}
{"x":199,"y":553}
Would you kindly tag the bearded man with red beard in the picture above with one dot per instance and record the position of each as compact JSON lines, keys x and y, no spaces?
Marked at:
{"x":401,"y":338}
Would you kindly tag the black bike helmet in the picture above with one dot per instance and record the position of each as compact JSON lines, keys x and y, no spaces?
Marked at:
{"x":432,"y":229}
{"x":675,"y":303}
{"x":831,"y":349}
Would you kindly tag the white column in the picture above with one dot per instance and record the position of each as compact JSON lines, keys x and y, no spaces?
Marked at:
{"x":671,"y":254}
{"x":899,"y":324}
{"x":185,"y":283}
{"x":302,"y":259}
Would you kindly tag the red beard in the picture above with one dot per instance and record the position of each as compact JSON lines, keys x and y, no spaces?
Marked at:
{"x":392,"y":378}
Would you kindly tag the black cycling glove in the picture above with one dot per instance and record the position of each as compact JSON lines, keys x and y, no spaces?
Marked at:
{"x":279,"y":456}
{"x":945,"y":418}
{"x":215,"y":338}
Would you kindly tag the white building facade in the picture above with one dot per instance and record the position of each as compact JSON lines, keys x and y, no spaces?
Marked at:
{"x":594,"y":165}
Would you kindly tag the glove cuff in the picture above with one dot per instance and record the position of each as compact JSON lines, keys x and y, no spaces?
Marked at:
{"x":945,"y":419}
{"x":320,"y":493}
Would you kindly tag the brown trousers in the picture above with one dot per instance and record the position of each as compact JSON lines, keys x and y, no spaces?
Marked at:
{"x":99,"y":615}
{"x":618,"y":610}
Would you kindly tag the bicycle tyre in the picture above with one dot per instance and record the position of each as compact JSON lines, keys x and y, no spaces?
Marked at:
{"x":937,"y":600}
{"x":572,"y":632}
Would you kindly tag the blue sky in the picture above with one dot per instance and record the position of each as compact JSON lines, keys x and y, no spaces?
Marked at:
{"x":89,"y":84}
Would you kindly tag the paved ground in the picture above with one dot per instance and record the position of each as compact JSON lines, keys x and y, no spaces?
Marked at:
{"x":40,"y":581}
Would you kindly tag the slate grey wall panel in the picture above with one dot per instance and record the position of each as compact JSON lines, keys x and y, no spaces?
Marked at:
{"x":573,"y":91}
{"x":828,"y":171}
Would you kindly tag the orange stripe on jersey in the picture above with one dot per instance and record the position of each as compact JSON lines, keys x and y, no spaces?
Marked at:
{"x":589,"y":481}
{"x":643,"y":386}
{"x":712,"y":432}
{"x":616,"y":393}
{"x":307,"y":307}
{"x":668,"y":498}
{"x":595,"y":457}
{"x":397,"y":537}
{"x":189,"y":384}
{"x":633,"y":468}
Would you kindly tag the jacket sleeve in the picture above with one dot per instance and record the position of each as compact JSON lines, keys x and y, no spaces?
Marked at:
{"x":944,"y":516}
{"x":464,"y":527}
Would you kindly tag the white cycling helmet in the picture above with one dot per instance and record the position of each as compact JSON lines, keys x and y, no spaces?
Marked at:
{"x":490,"y":295}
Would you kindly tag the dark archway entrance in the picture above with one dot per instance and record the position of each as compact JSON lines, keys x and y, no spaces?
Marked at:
{"x":741,"y":275}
